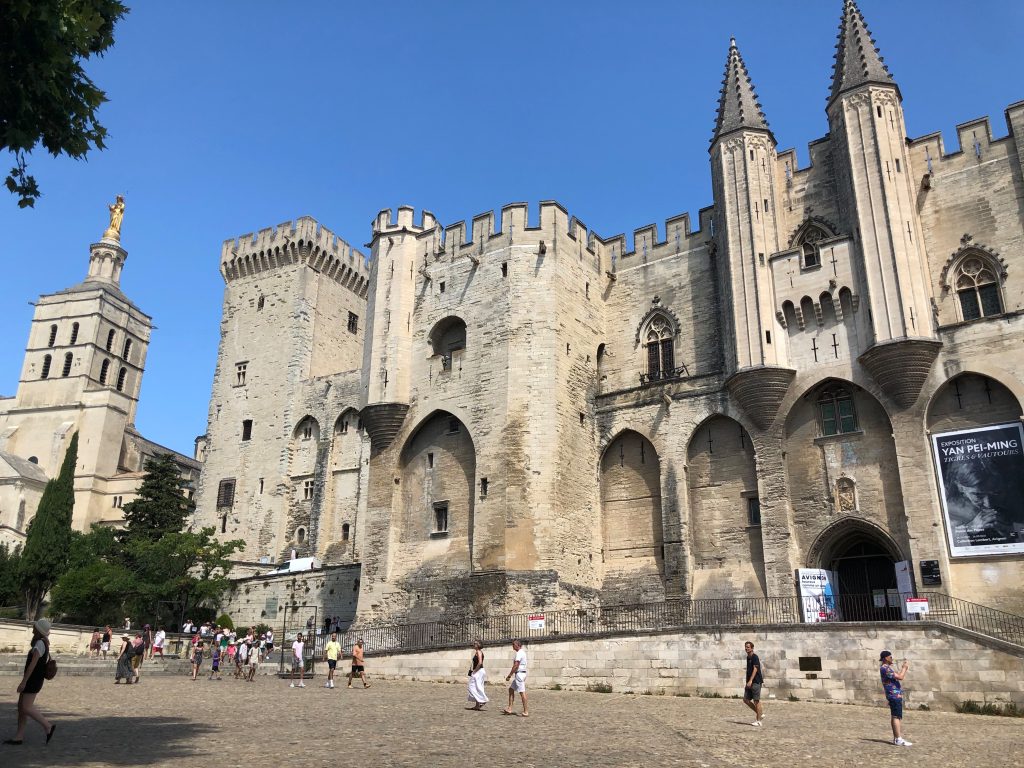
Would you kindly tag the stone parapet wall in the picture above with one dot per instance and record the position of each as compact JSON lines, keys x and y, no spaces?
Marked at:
{"x":947,"y":665}
{"x":333,"y":591}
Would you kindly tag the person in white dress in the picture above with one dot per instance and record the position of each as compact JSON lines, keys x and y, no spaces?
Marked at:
{"x":477,"y":679}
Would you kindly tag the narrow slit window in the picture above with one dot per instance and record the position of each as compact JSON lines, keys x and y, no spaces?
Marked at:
{"x":53,"y":336}
{"x":104,"y":371}
{"x":127,"y":349}
{"x":47,"y":361}
{"x":74,"y":333}
{"x":110,"y":340}
{"x":441,"y":518}
{"x":247,"y":429}
{"x":68,"y":359}
{"x":121,"y":376}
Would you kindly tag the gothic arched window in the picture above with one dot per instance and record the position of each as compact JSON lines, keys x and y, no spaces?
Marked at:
{"x":46,"y":367}
{"x":121,"y":375}
{"x":977,"y":287}
{"x":74,"y":333}
{"x":104,"y":370}
{"x":660,"y":343}
{"x":836,"y":411}
{"x":66,"y":371}
{"x":810,"y":256}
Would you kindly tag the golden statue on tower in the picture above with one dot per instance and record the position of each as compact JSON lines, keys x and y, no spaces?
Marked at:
{"x":116,"y":216}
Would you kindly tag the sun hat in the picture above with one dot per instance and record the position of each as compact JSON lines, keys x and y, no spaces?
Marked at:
{"x":42,"y":626}
{"x":883,"y":654}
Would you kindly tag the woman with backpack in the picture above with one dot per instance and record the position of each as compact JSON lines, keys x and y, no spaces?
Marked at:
{"x":38,"y":667}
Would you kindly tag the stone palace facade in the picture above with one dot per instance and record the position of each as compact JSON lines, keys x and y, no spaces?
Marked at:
{"x":517,"y":413}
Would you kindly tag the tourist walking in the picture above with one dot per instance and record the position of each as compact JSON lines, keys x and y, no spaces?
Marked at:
{"x":752,"y":684}
{"x":105,"y":638}
{"x":298,"y":661}
{"x":124,"y":661}
{"x":158,"y":643}
{"x":477,"y":678}
{"x":358,"y":664}
{"x":892,"y":683}
{"x":32,"y":683}
{"x":332,"y":650}
{"x":94,"y":643}
{"x":517,"y":679}
{"x":255,"y":652}
{"x":197,"y":658}
{"x":215,"y":659}
{"x":269,"y":648}
{"x":138,"y":653}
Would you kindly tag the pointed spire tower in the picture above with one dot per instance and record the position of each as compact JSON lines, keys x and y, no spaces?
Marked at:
{"x":738,"y":107}
{"x":878,"y":190}
{"x":746,"y":233}
{"x":857,"y":58}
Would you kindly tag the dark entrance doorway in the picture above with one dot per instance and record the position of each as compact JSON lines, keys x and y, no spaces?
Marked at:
{"x":864,"y":563}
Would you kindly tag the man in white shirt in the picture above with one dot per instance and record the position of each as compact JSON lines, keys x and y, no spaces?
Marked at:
{"x":298,"y":661}
{"x":158,"y":643}
{"x":517,"y":679}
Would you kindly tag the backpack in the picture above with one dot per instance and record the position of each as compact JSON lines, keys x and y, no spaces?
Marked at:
{"x":50,"y":667}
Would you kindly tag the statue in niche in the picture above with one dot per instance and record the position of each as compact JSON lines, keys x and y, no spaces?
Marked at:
{"x":846,"y":495}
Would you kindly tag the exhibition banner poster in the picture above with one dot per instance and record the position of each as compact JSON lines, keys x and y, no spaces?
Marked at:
{"x":818,"y":594}
{"x":981,"y":486}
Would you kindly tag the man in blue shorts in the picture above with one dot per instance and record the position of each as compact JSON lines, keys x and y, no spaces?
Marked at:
{"x":892,"y":682}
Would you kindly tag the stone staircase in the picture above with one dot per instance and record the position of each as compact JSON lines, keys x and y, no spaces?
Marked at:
{"x":13,"y":665}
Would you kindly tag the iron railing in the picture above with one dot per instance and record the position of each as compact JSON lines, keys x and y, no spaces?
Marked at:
{"x":667,"y":374}
{"x":680,"y":614}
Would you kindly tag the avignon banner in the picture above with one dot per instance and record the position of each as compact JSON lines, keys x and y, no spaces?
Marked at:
{"x":981,"y":484}
{"x":818,"y":592}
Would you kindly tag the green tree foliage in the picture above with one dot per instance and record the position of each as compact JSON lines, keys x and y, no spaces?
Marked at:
{"x":225,"y":621}
{"x":161,"y":507}
{"x":48,"y":538}
{"x":45,"y":95}
{"x":10,"y":583}
{"x":155,"y":570}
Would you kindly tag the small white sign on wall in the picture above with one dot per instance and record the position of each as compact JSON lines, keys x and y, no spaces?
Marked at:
{"x":536,"y":620}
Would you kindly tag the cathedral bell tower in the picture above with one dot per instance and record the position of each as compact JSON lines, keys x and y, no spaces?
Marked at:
{"x":876,"y":186}
{"x":746,"y":233}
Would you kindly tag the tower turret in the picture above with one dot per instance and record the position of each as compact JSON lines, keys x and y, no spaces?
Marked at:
{"x":387,"y":360}
{"x":873,"y":171}
{"x":742,"y":168}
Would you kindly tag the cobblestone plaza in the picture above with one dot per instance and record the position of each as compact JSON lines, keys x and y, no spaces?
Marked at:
{"x":172,"y":721}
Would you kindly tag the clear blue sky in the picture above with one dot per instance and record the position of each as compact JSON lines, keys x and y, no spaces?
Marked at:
{"x":226,"y":117}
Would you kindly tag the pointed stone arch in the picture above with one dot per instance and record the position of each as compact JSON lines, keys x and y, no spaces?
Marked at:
{"x":724,"y":510}
{"x":827,"y":228}
{"x":630,"y":483}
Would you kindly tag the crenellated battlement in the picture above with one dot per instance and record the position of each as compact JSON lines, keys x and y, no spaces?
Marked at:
{"x":975,"y":141}
{"x":302,"y":241}
{"x":513,"y":226}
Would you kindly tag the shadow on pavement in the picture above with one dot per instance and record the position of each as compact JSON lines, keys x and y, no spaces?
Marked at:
{"x":126,"y":740}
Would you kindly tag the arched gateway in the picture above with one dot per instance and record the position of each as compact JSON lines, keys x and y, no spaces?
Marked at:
{"x":864,"y":559}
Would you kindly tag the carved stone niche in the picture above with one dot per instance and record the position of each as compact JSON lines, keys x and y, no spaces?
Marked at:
{"x":846,"y":495}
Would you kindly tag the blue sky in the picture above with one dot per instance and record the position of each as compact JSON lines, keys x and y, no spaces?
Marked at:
{"x":226,"y":117}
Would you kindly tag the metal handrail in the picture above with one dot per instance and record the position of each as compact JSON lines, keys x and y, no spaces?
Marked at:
{"x":683,"y":613}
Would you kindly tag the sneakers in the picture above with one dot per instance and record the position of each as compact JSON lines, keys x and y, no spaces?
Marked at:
{"x":756,"y":723}
{"x":292,"y":685}
{"x":902,"y":743}
{"x":302,"y":685}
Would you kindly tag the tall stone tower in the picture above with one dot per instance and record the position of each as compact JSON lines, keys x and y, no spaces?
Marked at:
{"x":83,"y":368}
{"x":873,"y":169}
{"x":743,"y":154}
{"x":292,"y":326}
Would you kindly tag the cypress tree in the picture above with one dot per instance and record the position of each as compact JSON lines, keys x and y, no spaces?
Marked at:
{"x":48,"y":539}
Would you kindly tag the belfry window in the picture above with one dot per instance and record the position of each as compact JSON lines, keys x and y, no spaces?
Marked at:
{"x":127,"y":349}
{"x":45,"y":374}
{"x":68,"y":358}
{"x":104,"y":371}
{"x":121,"y":376}
{"x":660,"y":343}
{"x":110,"y":340}
{"x":74,"y":333}
{"x":836,"y":412}
{"x":977,"y":287}
{"x":53,"y":336}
